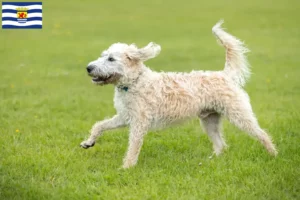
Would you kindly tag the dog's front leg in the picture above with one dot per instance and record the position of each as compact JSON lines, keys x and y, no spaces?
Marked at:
{"x":137,"y":133}
{"x":101,"y":126}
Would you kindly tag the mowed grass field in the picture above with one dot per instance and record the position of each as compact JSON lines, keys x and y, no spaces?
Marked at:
{"x":48,"y":103}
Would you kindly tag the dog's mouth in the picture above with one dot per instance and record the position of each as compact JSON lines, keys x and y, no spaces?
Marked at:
{"x":101,"y":80}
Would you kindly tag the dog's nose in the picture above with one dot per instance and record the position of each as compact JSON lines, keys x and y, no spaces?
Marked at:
{"x":90,"y":68}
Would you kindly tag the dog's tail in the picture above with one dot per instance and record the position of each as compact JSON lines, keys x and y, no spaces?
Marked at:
{"x":236,"y":65}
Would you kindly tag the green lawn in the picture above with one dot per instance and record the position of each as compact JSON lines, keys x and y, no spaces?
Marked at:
{"x":48,"y":103}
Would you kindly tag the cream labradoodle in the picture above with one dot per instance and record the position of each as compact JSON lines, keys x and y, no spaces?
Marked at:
{"x":145,"y":99}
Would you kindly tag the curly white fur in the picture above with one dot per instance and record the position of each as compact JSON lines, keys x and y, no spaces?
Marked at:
{"x":145,"y":99}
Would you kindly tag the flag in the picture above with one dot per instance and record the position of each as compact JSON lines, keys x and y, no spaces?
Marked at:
{"x":24,"y":15}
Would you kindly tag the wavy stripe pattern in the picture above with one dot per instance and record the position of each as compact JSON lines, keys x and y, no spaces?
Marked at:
{"x":21,"y":27}
{"x":29,"y":11}
{"x":18,"y":24}
{"x":13,"y":7}
{"x":15,"y":16}
{"x":10,"y":19}
{"x":21,"y":3}
{"x":15,"y":19}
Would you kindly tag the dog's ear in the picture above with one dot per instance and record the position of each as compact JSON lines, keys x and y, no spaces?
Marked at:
{"x":145,"y":53}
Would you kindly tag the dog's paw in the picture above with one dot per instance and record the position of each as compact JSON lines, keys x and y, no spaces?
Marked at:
{"x":129,"y":163}
{"x":127,"y":166}
{"x":87,"y":144}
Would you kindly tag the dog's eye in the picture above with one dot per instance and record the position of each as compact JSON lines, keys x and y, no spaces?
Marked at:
{"x":111,"y":59}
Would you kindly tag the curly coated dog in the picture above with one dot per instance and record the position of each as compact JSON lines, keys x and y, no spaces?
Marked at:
{"x":145,"y":99}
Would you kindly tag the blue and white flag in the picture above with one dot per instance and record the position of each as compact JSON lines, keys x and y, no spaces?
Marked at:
{"x":21,"y":15}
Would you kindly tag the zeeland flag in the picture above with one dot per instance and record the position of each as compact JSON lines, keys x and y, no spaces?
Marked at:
{"x":25,"y":15}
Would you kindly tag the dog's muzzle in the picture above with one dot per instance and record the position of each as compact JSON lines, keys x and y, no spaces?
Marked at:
{"x":101,"y":79}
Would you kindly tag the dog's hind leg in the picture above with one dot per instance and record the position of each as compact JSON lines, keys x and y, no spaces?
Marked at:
{"x":242,"y":116}
{"x":211,"y":123}
{"x":101,"y":126}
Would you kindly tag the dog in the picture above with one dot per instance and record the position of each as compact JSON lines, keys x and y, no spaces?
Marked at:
{"x":145,"y":99}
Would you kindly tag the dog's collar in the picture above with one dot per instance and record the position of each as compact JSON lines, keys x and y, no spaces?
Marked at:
{"x":123,"y":87}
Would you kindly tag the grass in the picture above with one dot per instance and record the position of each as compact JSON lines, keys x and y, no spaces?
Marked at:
{"x":48,"y":105}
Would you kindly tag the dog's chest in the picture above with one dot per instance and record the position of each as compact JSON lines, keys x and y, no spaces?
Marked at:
{"x":123,"y":101}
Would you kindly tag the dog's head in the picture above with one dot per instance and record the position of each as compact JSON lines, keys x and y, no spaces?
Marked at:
{"x":121,"y":63}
